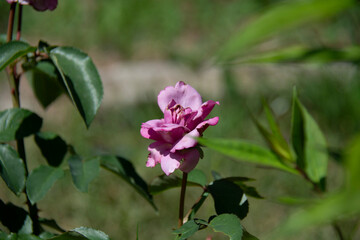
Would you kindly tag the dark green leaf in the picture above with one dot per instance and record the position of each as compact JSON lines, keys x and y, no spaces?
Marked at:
{"x":41,"y":180}
{"x":309,"y":143}
{"x":18,"y":123}
{"x":51,"y":223}
{"x":125,"y":169}
{"x":12,"y":169}
{"x":11,"y":51}
{"x":52,"y":147}
{"x":228,"y":198}
{"x":228,"y":224}
{"x":189,"y":228}
{"x":81,"y":79}
{"x":12,"y":217}
{"x":83,"y":172}
{"x":45,"y":82}
{"x":91,"y":234}
{"x":352,"y":164}
{"x":69,"y":236}
{"x":246,"y":151}
{"x":248,"y":236}
{"x":13,"y":236}
{"x":164,"y":182}
{"x":279,"y":17}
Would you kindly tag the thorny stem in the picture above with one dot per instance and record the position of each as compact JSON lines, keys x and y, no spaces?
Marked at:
{"x":182,"y":199}
{"x":14,"y":80}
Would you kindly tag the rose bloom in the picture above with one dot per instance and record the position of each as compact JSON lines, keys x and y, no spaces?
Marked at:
{"x":40,"y":5}
{"x":175,"y":145}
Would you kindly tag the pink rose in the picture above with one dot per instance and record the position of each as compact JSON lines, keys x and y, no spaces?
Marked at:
{"x":184,"y":119}
{"x":40,"y":5}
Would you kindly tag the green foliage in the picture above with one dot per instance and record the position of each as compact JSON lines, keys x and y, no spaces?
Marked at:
{"x":18,"y":123}
{"x":228,"y":224}
{"x":52,"y":147}
{"x":279,"y":18}
{"x":83,"y":172}
{"x":125,"y":169}
{"x":246,"y":151}
{"x":81,"y":79}
{"x":12,"y":169}
{"x":11,"y":51}
{"x":40,"y":181}
{"x":190,"y":228}
{"x":44,"y":80}
{"x":309,"y":144}
{"x":12,"y":217}
{"x":82,"y":233}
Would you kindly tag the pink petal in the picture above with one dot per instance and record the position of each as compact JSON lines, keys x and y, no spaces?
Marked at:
{"x":170,"y":132}
{"x":202,"y":113}
{"x":170,"y":163}
{"x":42,"y":5}
{"x":157,"y":151}
{"x":147,"y":129}
{"x":191,"y":158}
{"x":188,"y":141}
{"x":182,"y":94}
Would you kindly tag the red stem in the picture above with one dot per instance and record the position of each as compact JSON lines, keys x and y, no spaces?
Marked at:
{"x":182,"y":200}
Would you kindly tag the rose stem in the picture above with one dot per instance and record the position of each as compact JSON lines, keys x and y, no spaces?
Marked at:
{"x":14,"y":80}
{"x":182,"y":199}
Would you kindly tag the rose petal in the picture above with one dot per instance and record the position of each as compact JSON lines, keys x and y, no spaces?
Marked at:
{"x":205,"y":124}
{"x":202,"y":113}
{"x":182,"y":94}
{"x":170,"y":163}
{"x":147,"y":129}
{"x":157,"y":151}
{"x":191,"y":158}
{"x":42,"y":5}
{"x":170,"y":132}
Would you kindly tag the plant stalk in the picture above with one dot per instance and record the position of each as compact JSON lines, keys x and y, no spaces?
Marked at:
{"x":14,"y":81}
{"x":182,"y":199}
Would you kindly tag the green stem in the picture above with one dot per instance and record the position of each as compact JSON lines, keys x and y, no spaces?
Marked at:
{"x":14,"y":80}
{"x":182,"y":199}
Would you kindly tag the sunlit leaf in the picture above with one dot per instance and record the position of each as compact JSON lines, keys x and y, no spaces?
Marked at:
{"x":17,"y":123}
{"x":12,"y":169}
{"x":242,"y":150}
{"x":83,"y":172}
{"x":227,"y":224}
{"x":40,"y":181}
{"x":81,"y":79}
{"x":125,"y":169}
{"x":52,"y":147}
{"x":11,"y":51}
{"x":309,"y":143}
{"x":279,"y":17}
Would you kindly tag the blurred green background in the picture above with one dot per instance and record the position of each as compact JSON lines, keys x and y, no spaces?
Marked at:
{"x":187,"y":34}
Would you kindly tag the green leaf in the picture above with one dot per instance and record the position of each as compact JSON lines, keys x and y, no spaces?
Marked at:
{"x":125,"y":169}
{"x":304,"y":54}
{"x":83,"y":172}
{"x":280,"y":17}
{"x":248,"y":236}
{"x":12,"y":169}
{"x":352,"y":164}
{"x":227,"y":224}
{"x":18,"y":123}
{"x":11,"y":51}
{"x":12,"y":217}
{"x":52,"y":147}
{"x":228,"y":198}
{"x":164,"y":182}
{"x":45,"y":82}
{"x":246,"y":151}
{"x":197,"y":206}
{"x":51,"y":223}
{"x":91,"y":234}
{"x":81,"y":79}
{"x":40,"y":181}
{"x":309,"y":144}
{"x":189,"y":228}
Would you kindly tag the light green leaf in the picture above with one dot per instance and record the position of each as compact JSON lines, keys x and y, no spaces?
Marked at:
{"x":125,"y":169}
{"x":189,"y":228}
{"x":11,"y":51}
{"x":18,"y":123}
{"x":228,"y":224}
{"x":91,"y":234}
{"x":45,"y":82}
{"x":81,"y":79}
{"x":12,"y":169}
{"x":40,"y":181}
{"x":309,"y":144}
{"x":83,"y":172}
{"x":280,"y":17}
{"x":246,"y":151}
